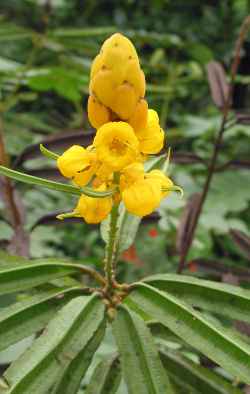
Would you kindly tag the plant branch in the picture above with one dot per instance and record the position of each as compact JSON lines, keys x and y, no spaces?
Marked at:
{"x":212,"y":166}
{"x":91,"y":272}
{"x":8,"y":190}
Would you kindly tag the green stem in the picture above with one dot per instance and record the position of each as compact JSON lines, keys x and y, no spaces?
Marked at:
{"x":110,"y":258}
{"x":91,"y":272}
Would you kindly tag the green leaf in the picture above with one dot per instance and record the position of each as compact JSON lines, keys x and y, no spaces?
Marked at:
{"x":66,"y":82}
{"x":48,"y":153}
{"x":193,"y":377}
{"x":89,"y":32}
{"x":221,"y":200}
{"x":7,"y":65}
{"x":211,"y":339}
{"x":6,"y":230}
{"x":162,"y":332}
{"x":200,"y":53}
{"x":141,"y":366}
{"x":11,"y":32}
{"x":106,"y":377}
{"x":6,"y":259}
{"x":156,"y":163}
{"x":17,"y":277}
{"x":230,"y":301}
{"x":34,"y":180}
{"x":22,"y":319}
{"x":73,"y":374}
{"x":72,"y":329}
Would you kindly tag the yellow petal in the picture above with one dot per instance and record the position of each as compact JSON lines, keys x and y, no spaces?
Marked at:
{"x":94,"y":210}
{"x":124,"y":101}
{"x":115,"y":59}
{"x":131,"y":174}
{"x":84,"y":176}
{"x":73,"y":160}
{"x":78,"y":164}
{"x":143,"y":197}
{"x":152,"y":144}
{"x":138,"y":120}
{"x":135,"y":76}
{"x":104,"y":173}
{"x":96,"y":66}
{"x":102,"y":86}
{"x":98,"y":114}
{"x":120,"y":41}
{"x":116,"y":145}
{"x":151,"y":138}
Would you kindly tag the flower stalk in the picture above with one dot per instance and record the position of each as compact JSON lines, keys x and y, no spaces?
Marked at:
{"x":111,"y":255}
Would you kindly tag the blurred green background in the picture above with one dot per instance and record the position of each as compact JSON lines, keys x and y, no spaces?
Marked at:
{"x":46,"y":51}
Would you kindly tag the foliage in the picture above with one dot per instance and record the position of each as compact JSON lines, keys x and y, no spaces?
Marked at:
{"x":168,"y":300}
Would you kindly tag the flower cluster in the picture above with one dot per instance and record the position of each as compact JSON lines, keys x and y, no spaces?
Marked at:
{"x":127,"y":132}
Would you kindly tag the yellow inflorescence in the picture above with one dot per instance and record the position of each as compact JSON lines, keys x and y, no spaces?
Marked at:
{"x":127,"y":131}
{"x":117,"y":85}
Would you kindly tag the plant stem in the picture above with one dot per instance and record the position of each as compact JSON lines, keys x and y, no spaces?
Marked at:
{"x":212,"y":166}
{"x":3,"y":155}
{"x":110,"y":258}
{"x":91,"y":272}
{"x":8,"y":190}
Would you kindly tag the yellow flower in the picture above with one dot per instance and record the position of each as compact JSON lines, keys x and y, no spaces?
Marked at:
{"x":117,"y":84}
{"x":104,"y":173}
{"x":139,"y":195}
{"x":131,"y":174}
{"x":78,"y":164}
{"x":143,"y":192}
{"x":94,"y":210}
{"x":116,"y":145}
{"x":143,"y":197}
{"x":127,"y":131}
{"x":151,"y":138}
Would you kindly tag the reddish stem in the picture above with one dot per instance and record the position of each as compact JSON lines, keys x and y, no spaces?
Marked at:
{"x":8,"y":189}
{"x":212,"y":166}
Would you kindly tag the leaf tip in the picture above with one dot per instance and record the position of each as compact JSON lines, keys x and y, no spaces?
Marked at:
{"x":48,"y":153}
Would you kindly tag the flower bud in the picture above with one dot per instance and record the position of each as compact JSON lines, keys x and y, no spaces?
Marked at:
{"x":117,"y":83}
{"x":151,"y":137}
{"x":139,"y":118}
{"x":94,"y":210}
{"x":98,"y":114}
{"x":78,"y":164}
